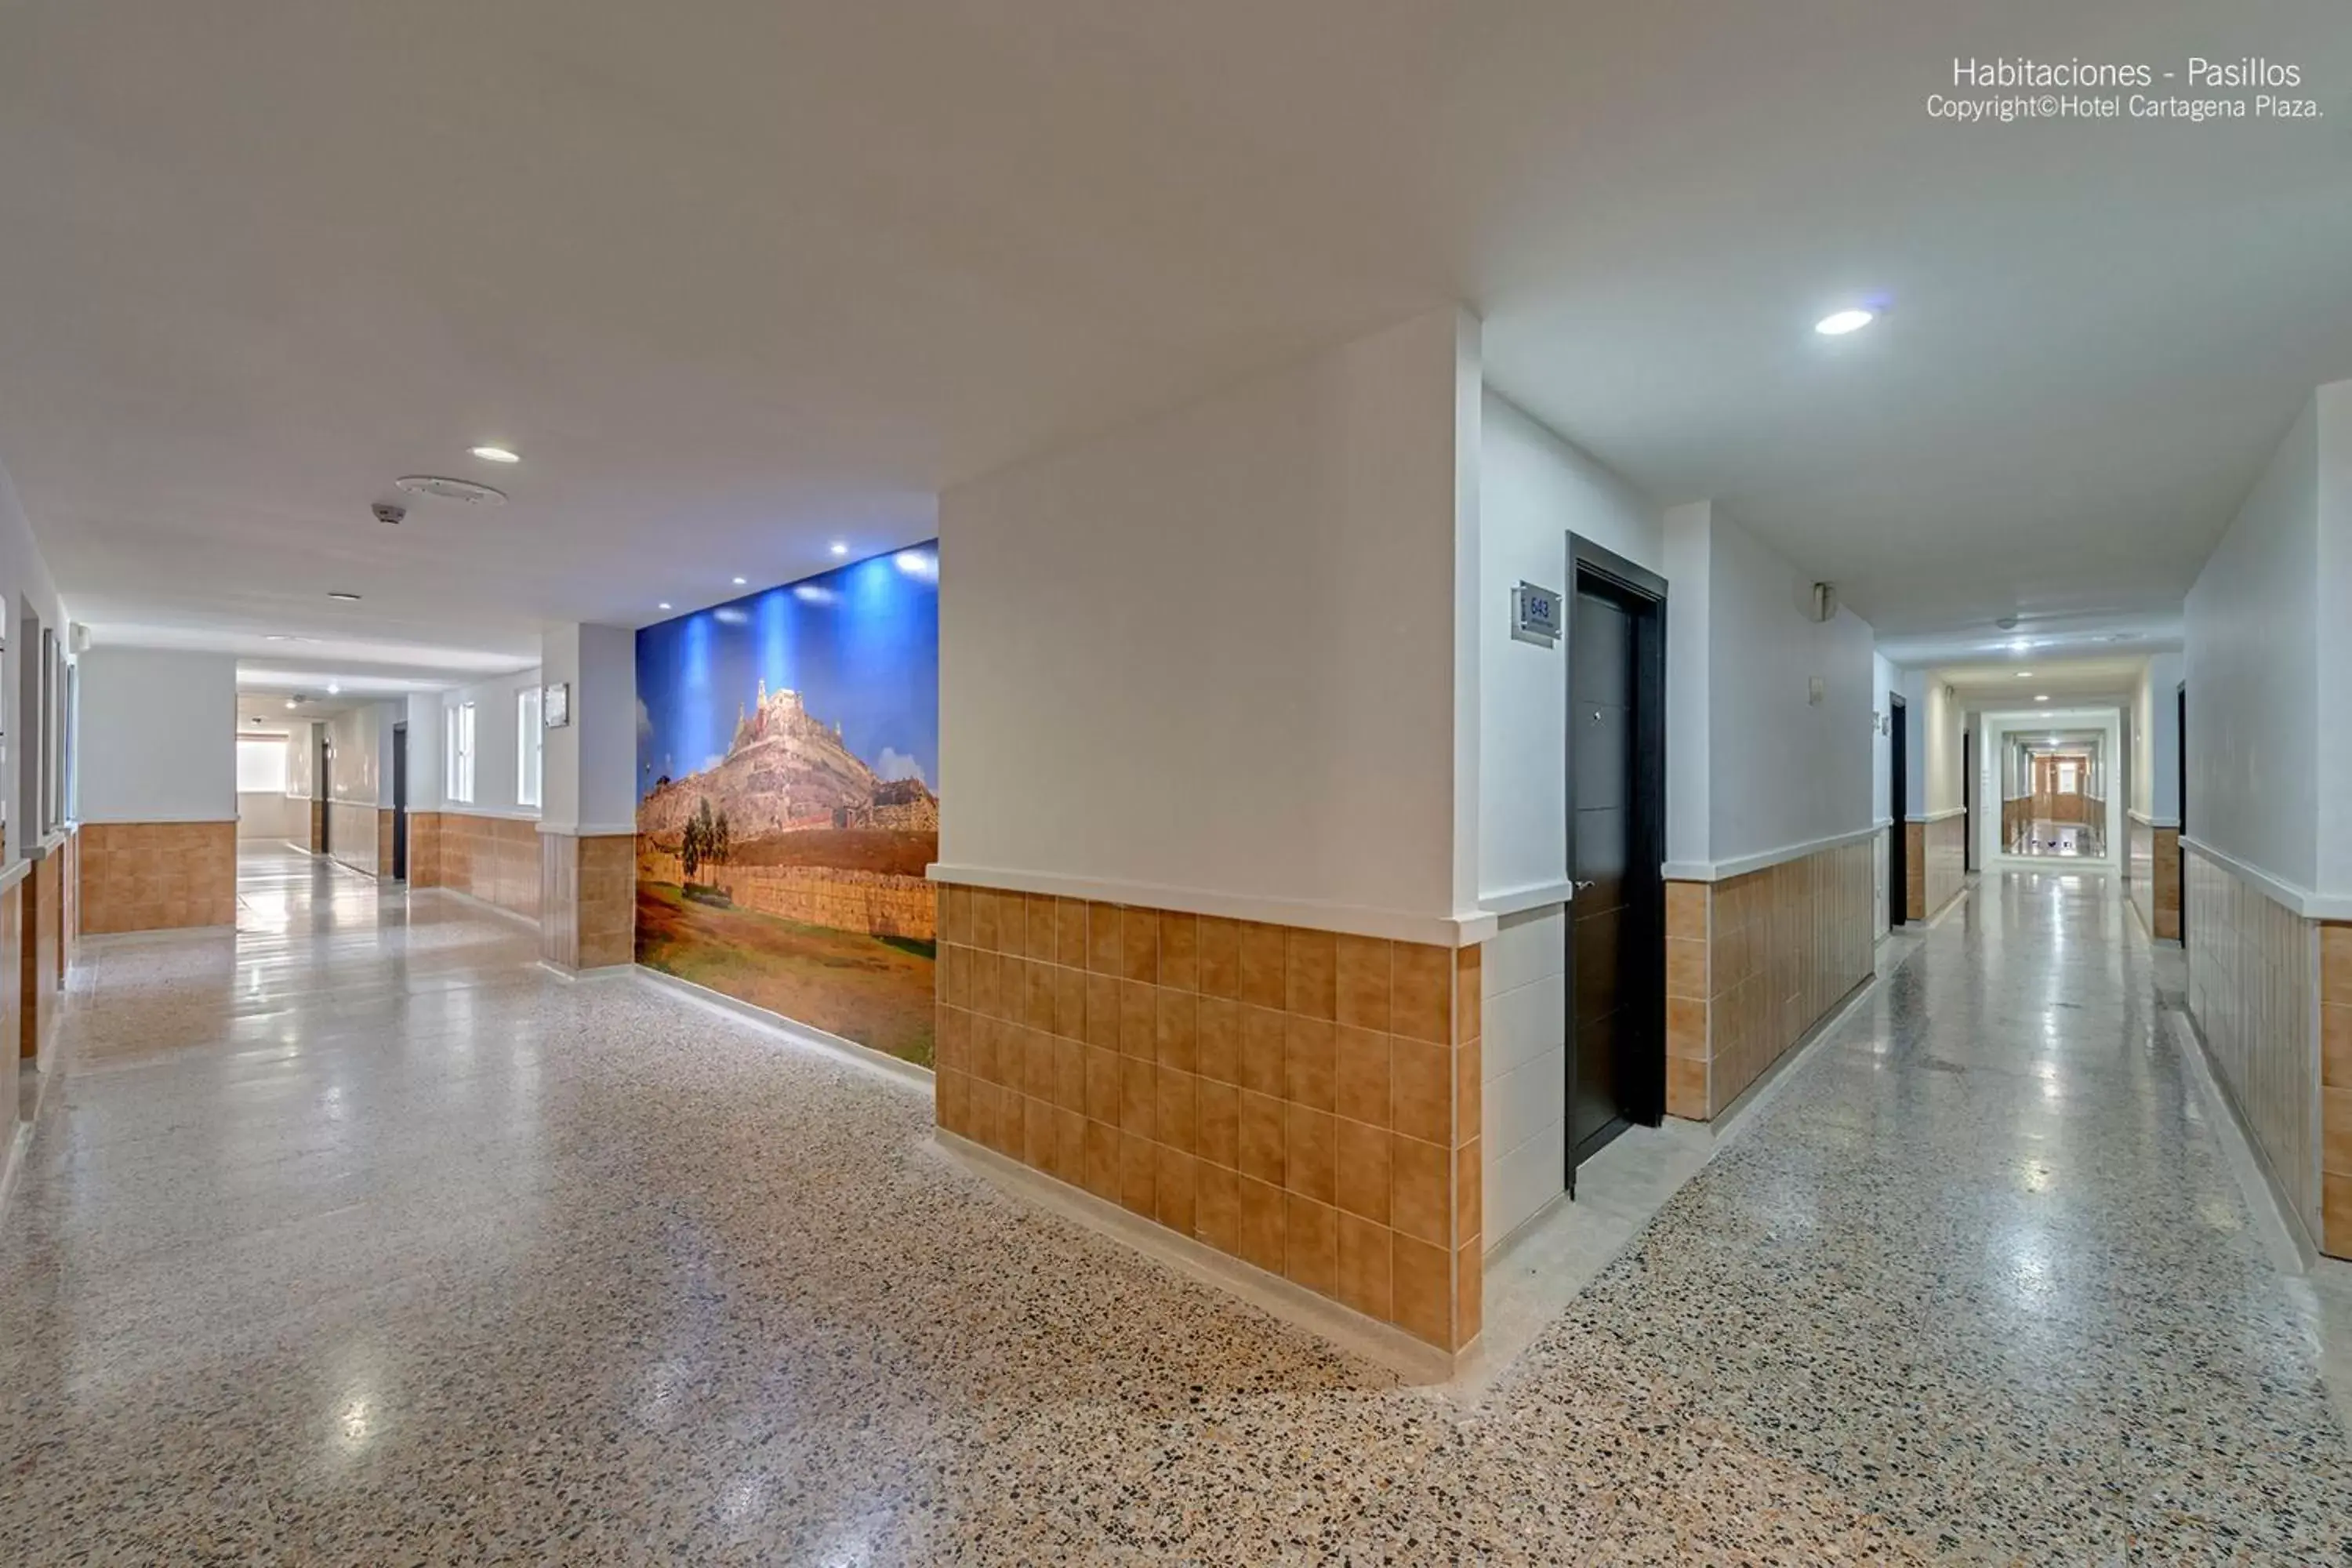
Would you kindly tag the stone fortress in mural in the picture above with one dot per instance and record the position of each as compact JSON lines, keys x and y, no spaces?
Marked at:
{"x":789,"y":871}
{"x":790,"y":874}
{"x":787,"y":771}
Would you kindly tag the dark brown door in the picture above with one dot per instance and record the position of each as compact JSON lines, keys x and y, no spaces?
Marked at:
{"x":1600,"y":684}
{"x":1616,"y":801}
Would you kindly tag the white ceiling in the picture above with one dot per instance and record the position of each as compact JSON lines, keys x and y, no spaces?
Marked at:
{"x":744,"y":278}
{"x":2060,"y":680}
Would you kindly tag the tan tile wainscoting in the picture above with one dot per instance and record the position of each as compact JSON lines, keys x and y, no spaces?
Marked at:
{"x":2262,"y":979}
{"x":156,"y":876}
{"x":1303,"y":1101}
{"x":317,"y":844}
{"x":588,"y":899}
{"x":2153,"y":874}
{"x":494,"y":859}
{"x":40,"y":943}
{"x":1935,"y":864}
{"x":12,"y":992}
{"x":1755,"y":961}
{"x":2336,"y":1087}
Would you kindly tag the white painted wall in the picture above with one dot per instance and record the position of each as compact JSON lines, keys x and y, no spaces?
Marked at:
{"x":1936,"y":720}
{"x":158,"y":736}
{"x":421,"y":711}
{"x":591,"y":763}
{"x":1689,"y":547}
{"x":2253,"y":657}
{"x":498,"y":750}
{"x":26,"y":588}
{"x":1534,"y":490}
{"x":1211,"y":656}
{"x":302,"y":760}
{"x":2156,"y":740}
{"x":352,"y":772}
{"x":271,"y":817}
{"x":1788,"y":771}
{"x":2332,"y":732}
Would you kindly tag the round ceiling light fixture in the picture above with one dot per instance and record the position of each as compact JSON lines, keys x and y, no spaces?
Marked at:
{"x":839,"y":548}
{"x":662,"y":606}
{"x":441,"y":487}
{"x":496,"y":454}
{"x":2024,"y":674}
{"x":2043,"y":697}
{"x":333,"y":689}
{"x":1838,"y":323}
{"x":343,"y":594}
{"x":292,"y":703}
{"x":738,"y":582}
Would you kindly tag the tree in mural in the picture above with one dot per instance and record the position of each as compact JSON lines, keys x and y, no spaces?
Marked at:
{"x":697,"y":842}
{"x":716,"y":849}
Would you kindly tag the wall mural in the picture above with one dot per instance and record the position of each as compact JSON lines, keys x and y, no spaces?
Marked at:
{"x":787,"y":743}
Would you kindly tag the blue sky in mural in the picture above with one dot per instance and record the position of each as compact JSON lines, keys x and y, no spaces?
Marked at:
{"x":860,"y":644}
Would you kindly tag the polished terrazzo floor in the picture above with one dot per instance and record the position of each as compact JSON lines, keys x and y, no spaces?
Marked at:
{"x":358,"y":1238}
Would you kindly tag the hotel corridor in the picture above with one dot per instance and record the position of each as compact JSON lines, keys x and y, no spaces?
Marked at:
{"x":361,"y":1237}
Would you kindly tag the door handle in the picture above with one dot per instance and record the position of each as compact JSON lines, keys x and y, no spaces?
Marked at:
{"x":1580,"y":887}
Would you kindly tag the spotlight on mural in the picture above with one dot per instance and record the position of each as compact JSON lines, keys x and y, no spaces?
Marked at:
{"x":786,"y":745}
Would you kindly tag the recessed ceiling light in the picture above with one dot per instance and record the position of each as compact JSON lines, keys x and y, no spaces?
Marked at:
{"x":293,"y":702}
{"x":497,"y":454}
{"x":345,"y":595}
{"x":2043,"y":697}
{"x":1838,"y":323}
{"x":333,"y":689}
{"x":2022,"y":674}
{"x":839,"y":548}
{"x":738,"y":582}
{"x":662,"y":606}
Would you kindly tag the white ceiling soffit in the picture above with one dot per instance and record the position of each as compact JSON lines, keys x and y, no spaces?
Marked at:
{"x":2058,"y":678}
{"x":744,"y":278}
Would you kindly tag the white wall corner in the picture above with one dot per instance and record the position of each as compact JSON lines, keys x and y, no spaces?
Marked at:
{"x":1688,"y":544}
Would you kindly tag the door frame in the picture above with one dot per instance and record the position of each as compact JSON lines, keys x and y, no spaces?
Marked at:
{"x":1967,"y":799}
{"x":2180,"y":804}
{"x":326,"y":792}
{"x":399,"y":866}
{"x":1898,"y":847}
{"x":1642,"y":594}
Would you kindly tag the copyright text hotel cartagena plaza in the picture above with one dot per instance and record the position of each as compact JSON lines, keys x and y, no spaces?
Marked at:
{"x":2005,"y":88}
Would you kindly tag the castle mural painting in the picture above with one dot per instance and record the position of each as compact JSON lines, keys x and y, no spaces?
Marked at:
{"x":787,"y":748}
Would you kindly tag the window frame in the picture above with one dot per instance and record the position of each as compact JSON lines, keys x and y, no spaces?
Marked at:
{"x":458,"y":775}
{"x":531,"y":748}
{"x":278,"y":743}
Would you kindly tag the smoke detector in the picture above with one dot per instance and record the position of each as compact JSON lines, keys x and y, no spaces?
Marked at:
{"x":440,"y":487}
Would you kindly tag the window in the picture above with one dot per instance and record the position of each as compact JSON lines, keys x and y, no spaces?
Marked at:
{"x":461,"y":754}
{"x":261,"y":764}
{"x":2069,"y":776}
{"x":531,"y":739}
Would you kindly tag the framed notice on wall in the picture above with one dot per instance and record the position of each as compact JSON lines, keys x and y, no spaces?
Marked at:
{"x":555,"y":704}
